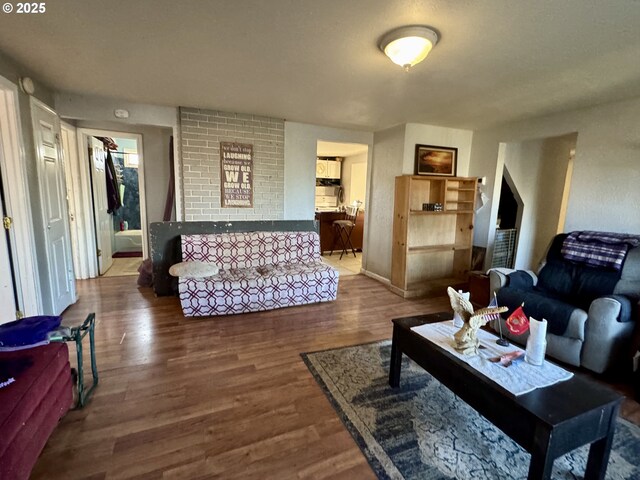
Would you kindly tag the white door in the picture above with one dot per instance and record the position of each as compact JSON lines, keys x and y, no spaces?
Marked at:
{"x":17,"y":204}
{"x":104,"y":220}
{"x":7,"y":297}
{"x":70,"y":157}
{"x":53,"y":202}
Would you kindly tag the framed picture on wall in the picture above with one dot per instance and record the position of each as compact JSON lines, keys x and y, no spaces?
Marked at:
{"x":432,"y":160}
{"x":236,"y":172}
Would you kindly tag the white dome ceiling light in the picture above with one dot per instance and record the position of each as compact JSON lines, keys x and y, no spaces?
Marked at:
{"x":407,"y":46}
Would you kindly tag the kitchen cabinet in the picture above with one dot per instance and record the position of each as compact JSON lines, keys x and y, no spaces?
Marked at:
{"x":327,"y":230}
{"x":432,"y":233}
{"x":333,"y":169}
{"x":328,"y":169}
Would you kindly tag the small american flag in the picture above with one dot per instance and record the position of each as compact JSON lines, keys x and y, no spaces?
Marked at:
{"x":493,"y":304}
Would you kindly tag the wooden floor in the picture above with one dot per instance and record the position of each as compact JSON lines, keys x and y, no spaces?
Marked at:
{"x":124,"y":266}
{"x":221,"y":397}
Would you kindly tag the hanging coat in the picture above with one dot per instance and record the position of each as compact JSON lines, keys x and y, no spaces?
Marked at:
{"x":113,"y":190}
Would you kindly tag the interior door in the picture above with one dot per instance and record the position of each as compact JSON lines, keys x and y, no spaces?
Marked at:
{"x":53,"y":203}
{"x":104,"y":221}
{"x":7,"y":297}
{"x":70,"y":155}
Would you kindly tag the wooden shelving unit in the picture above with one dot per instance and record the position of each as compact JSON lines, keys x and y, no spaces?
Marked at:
{"x":432,"y":250}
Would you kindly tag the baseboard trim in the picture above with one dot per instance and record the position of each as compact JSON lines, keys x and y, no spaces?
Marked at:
{"x":400,"y":292}
{"x":385,"y":281}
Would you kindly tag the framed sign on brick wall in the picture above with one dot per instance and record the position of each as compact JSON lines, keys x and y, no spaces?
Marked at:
{"x":236,"y":173}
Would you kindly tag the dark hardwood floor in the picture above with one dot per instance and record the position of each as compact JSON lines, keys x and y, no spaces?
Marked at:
{"x":225,"y":397}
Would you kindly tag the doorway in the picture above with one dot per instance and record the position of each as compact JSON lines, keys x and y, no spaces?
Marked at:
{"x":8,"y":289}
{"x":537,"y":173}
{"x":17,"y":208}
{"x":341,"y":185}
{"x":7,"y":277}
{"x":60,"y":277}
{"x":116,"y":172}
{"x":509,"y":217}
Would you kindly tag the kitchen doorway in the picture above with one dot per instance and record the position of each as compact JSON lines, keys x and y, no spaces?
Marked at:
{"x":341,"y":180}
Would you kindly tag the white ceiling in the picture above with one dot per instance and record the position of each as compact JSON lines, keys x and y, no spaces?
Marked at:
{"x":317,"y":61}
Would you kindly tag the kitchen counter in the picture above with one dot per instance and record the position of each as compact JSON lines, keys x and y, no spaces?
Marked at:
{"x":327,"y":230}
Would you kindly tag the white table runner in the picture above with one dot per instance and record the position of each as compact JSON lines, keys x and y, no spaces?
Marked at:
{"x":519,"y":378}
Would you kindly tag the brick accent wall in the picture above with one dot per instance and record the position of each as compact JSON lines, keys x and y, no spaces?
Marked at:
{"x":201,"y":134}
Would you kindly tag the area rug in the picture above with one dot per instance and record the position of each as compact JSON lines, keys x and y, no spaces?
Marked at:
{"x":423,"y":431}
{"x":126,"y":255}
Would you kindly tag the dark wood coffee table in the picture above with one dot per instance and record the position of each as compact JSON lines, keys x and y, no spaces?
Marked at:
{"x":547,"y":422}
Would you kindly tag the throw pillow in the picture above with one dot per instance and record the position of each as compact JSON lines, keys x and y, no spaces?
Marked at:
{"x":193,"y":269}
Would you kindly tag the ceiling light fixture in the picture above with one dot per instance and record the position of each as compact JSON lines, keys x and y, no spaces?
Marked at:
{"x":27,"y":85}
{"x":407,"y":46}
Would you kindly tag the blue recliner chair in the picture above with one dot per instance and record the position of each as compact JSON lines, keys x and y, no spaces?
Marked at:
{"x":591,"y":310}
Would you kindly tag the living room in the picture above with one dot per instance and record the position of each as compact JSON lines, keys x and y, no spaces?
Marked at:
{"x":236,"y":386}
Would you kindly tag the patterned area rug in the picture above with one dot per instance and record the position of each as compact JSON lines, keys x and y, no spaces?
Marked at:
{"x":423,"y":431}
{"x":127,"y":255}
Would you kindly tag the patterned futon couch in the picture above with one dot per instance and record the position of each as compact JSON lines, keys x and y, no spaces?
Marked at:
{"x":258,"y":271}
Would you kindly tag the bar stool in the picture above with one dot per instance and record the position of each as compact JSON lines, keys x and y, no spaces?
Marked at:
{"x":343,"y":228}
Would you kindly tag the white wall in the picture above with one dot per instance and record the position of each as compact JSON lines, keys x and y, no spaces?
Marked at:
{"x":522,"y":160}
{"x":155,"y":147}
{"x":359,"y":181}
{"x":538,"y":169}
{"x":394,"y":155}
{"x":388,"y":151}
{"x":416,"y":133}
{"x":155,"y":142}
{"x":604,"y":188}
{"x":553,"y":170}
{"x":300,"y":152}
{"x":96,"y":110}
{"x":606,"y":175}
{"x":202,"y":132}
{"x":91,"y":107}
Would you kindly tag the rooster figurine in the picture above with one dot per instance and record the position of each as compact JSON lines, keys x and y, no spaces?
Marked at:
{"x":466,"y":338}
